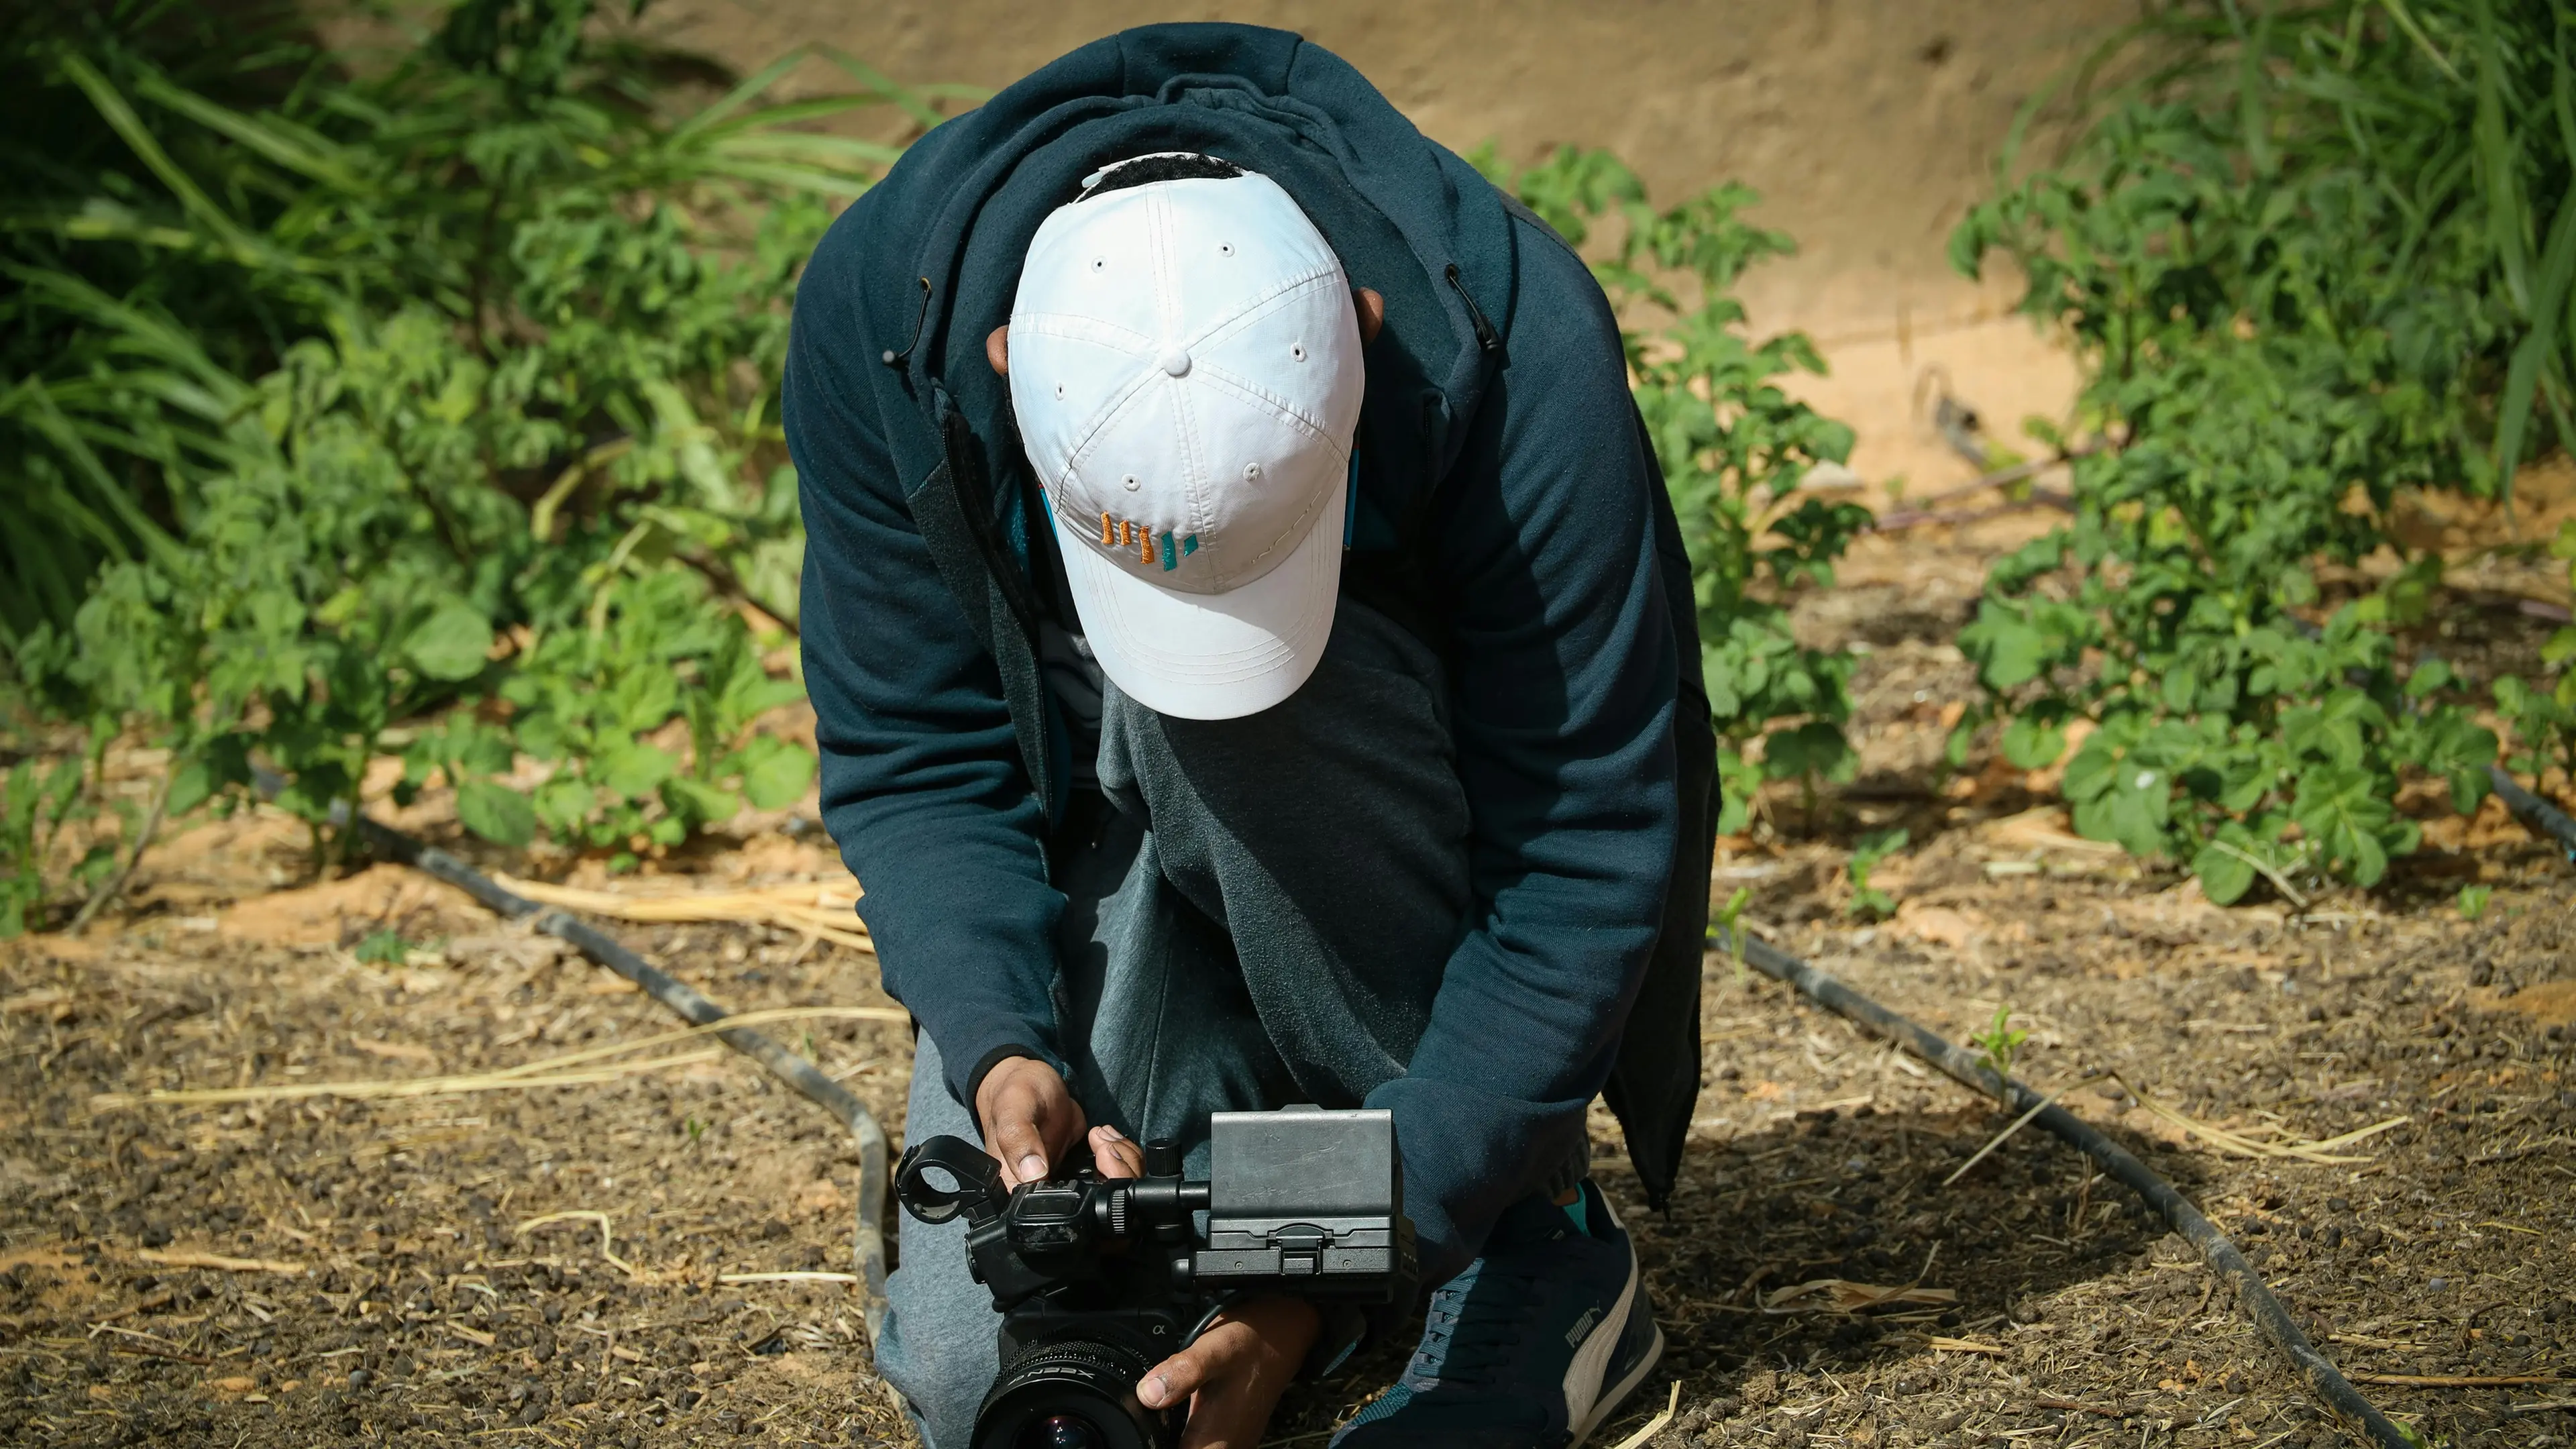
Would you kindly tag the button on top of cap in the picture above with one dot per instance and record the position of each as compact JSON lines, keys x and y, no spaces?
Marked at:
{"x":1176,"y":361}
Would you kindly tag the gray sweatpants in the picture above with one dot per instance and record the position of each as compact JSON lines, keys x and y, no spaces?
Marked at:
{"x":1262,"y":920}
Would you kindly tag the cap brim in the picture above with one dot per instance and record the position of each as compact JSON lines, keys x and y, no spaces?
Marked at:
{"x":1212,"y":656}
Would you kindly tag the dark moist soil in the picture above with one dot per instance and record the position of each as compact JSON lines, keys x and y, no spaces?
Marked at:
{"x":426,"y":1294}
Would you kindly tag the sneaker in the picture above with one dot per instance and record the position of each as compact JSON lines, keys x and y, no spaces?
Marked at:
{"x":1532,"y":1347}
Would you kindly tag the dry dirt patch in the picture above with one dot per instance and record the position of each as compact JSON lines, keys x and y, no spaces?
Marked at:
{"x":424,"y":1308}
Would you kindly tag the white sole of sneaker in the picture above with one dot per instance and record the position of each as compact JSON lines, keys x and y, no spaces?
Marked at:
{"x":1613,"y":1395}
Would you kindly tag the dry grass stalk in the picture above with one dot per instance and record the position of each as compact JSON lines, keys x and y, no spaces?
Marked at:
{"x":1939,"y":1344}
{"x":415,"y":1087}
{"x":2241,"y":1145}
{"x":2000,"y":1138}
{"x":813,"y":911}
{"x":1841,"y":1295}
{"x":607,"y":1243}
{"x":1655,"y":1425}
{"x":800,"y":1277}
{"x":216,"y":1261}
{"x":763,"y":1017}
{"x":550,"y":1072}
{"x":136,"y":1334}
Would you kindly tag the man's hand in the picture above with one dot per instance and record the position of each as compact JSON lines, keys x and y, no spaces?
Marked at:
{"x":1233,"y":1375}
{"x":1029,"y":1117}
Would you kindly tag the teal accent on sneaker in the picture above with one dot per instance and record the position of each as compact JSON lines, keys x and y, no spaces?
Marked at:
{"x":1384,"y":1406}
{"x":1533,"y":1347}
{"x":1580,"y":1211}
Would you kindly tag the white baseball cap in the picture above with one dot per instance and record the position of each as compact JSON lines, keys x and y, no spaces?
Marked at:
{"x":1185,"y":364}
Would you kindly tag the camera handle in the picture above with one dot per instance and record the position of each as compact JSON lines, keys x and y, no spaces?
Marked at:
{"x":978,"y":1193}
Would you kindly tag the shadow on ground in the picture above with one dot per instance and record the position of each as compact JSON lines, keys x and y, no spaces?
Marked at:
{"x":1856,"y":1197}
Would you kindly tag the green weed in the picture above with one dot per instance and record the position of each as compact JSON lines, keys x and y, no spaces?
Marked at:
{"x":1868,"y":902}
{"x":383,"y":946}
{"x":2000,"y":1043}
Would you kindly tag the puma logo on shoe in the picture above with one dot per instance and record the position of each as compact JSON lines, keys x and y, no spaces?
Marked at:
{"x":1582,"y":1326}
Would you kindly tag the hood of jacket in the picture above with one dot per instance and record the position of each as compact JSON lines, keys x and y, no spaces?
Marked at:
{"x":944,"y":234}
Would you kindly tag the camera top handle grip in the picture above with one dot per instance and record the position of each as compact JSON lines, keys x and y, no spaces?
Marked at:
{"x":978,"y":1192}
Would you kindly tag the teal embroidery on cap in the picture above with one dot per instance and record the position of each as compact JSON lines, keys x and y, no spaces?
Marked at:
{"x":1190,"y":544}
{"x":1171,"y":555}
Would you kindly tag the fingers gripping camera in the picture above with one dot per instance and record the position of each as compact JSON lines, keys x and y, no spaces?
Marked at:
{"x":1097,"y":1279}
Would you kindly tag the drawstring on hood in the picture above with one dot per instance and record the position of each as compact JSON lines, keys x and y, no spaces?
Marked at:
{"x":891,"y":357}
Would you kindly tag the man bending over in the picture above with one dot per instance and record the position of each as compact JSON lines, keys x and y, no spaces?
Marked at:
{"x":1254,"y":663}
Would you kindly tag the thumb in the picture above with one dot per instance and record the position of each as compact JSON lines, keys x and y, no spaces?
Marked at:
{"x":1019,"y":1146}
{"x":1174,"y":1379}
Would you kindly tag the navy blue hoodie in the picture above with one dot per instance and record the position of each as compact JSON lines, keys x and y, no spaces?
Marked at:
{"x":1508,"y":510}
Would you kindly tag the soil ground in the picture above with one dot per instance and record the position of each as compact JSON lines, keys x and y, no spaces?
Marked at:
{"x":426,"y":1284}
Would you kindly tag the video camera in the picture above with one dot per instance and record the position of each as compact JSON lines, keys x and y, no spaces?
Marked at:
{"x":1098,"y":1280}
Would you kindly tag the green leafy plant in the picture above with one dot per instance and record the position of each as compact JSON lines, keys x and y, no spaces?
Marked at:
{"x":1734,"y":448}
{"x":2544,"y":716}
{"x":344,"y":389}
{"x":2473,"y":901}
{"x":589,"y":697}
{"x":2312,"y":256}
{"x":1868,"y":902}
{"x":2000,"y":1043}
{"x":37,"y":800}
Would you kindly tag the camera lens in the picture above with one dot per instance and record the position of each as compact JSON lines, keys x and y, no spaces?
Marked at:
{"x":1060,"y":1431}
{"x":1073,"y":1393}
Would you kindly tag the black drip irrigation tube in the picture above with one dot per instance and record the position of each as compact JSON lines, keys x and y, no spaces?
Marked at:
{"x":2534,"y":812}
{"x":2267,"y":1311}
{"x":2221,"y":1255}
{"x":797,"y":1073}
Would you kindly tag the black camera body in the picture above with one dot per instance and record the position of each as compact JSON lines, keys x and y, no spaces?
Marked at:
{"x":1097,"y":1280}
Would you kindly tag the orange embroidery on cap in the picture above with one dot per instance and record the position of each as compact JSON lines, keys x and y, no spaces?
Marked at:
{"x":1149,"y":548}
{"x":1108,"y":530}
